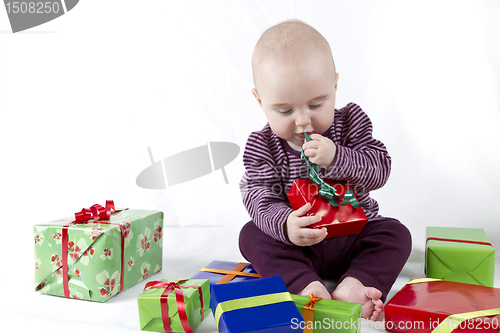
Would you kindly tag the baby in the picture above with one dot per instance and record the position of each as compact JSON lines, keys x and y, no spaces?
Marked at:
{"x":295,"y":84}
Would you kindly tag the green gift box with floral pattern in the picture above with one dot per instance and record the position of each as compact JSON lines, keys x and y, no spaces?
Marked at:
{"x":104,"y":256}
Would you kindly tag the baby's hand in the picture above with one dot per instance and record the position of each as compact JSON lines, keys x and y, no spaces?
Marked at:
{"x":296,"y":227}
{"x":320,"y":151}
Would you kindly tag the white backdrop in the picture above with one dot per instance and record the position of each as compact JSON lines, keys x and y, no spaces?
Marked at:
{"x":83,"y":96}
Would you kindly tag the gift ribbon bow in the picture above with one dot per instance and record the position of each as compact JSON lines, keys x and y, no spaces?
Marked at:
{"x":326,"y":190}
{"x":450,"y":323}
{"x":308,"y":313}
{"x":249,"y":302}
{"x":97,"y":213}
{"x":179,"y":297}
{"x":229,"y":275}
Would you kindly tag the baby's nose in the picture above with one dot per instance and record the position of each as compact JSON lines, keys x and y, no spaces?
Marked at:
{"x":303,"y":119}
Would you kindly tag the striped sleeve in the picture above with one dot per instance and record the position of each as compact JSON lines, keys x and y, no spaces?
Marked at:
{"x":262,"y":189}
{"x":361,"y":159}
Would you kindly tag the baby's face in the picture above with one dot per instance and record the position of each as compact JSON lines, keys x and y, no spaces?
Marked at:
{"x":298,"y":98}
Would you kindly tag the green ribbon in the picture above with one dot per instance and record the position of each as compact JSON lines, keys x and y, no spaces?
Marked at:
{"x":250,"y":302}
{"x":326,"y":190}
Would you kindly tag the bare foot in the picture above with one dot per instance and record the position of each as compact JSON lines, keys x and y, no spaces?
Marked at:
{"x":316,"y":288}
{"x":352,"y":290}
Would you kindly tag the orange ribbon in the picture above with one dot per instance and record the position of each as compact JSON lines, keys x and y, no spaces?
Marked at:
{"x":308,"y":313}
{"x":229,"y":275}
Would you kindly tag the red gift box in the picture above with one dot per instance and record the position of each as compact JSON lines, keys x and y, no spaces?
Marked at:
{"x":438,"y":306}
{"x":338,"y":220}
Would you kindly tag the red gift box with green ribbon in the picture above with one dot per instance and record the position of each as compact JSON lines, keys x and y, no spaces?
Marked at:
{"x":335,"y":201}
{"x":438,"y":306}
{"x":98,"y":253}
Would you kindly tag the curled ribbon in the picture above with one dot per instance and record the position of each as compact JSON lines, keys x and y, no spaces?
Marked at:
{"x":326,"y":190}
{"x":179,"y":297}
{"x":308,"y":313}
{"x":98,"y":213}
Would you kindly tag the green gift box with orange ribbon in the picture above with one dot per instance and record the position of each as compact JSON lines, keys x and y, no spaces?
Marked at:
{"x":460,"y":255}
{"x":98,"y":253}
{"x":174,"y":305}
{"x":326,"y":315}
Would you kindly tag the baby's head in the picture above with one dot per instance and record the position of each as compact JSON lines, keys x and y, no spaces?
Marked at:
{"x":295,"y":80}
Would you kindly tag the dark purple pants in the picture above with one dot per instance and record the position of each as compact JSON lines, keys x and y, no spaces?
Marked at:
{"x":375,"y":256}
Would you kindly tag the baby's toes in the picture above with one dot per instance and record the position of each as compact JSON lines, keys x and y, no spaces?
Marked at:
{"x":367,"y":310}
{"x":377,"y":309}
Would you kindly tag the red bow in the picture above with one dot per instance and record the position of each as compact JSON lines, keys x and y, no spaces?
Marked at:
{"x":179,"y":297}
{"x":98,"y":213}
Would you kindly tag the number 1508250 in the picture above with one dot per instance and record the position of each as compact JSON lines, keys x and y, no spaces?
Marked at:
{"x":25,"y":7}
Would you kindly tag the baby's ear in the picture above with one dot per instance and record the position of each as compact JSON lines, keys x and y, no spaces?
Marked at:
{"x":256,"y":95}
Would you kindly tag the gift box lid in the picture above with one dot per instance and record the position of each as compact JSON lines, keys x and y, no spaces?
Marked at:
{"x":450,"y":233}
{"x":276,"y":317}
{"x":424,"y":301}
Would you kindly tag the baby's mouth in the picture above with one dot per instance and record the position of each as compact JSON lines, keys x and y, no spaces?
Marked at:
{"x":300,"y":136}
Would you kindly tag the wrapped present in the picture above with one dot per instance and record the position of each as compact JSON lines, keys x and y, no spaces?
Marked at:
{"x":218,"y":272}
{"x":460,"y":255}
{"x":339,"y":220}
{"x":260,"y":305}
{"x":173,"y":305}
{"x":439,"y":306}
{"x":325,"y":315}
{"x":98,"y":253}
{"x":335,"y":201}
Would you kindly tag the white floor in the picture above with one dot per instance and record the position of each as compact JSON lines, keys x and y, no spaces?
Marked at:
{"x":23,"y":308}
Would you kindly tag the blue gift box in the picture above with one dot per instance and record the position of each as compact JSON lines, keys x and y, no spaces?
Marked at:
{"x":227,"y":266}
{"x":214,"y":278}
{"x":260,"y":305}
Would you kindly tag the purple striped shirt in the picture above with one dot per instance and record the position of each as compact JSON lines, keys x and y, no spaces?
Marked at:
{"x":271,"y":166}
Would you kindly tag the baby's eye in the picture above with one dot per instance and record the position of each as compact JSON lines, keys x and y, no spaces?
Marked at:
{"x":285,"y":112}
{"x":314,"y":106}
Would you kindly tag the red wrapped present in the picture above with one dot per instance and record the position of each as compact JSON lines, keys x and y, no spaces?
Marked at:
{"x":340,"y":220}
{"x":438,"y":306}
